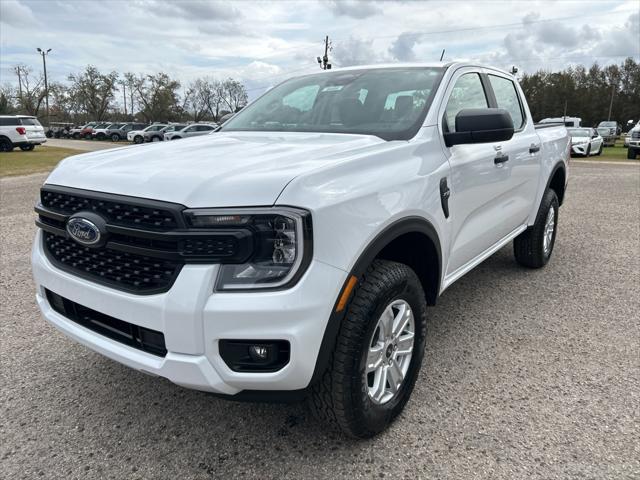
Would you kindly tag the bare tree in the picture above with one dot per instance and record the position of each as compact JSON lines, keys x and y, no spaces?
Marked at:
{"x":30,"y":93}
{"x":94,"y":91}
{"x":158,"y":97}
{"x":235,"y":95}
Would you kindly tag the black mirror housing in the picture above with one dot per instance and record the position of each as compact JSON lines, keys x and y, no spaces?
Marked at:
{"x":480,"y":125}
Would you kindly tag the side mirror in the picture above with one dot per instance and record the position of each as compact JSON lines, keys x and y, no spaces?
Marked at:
{"x":480,"y":125}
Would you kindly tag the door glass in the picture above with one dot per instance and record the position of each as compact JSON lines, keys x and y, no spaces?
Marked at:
{"x":467,"y":93}
{"x":507,"y":98}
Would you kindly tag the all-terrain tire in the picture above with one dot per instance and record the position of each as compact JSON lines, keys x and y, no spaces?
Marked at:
{"x":528,"y":247}
{"x":341,"y":397}
{"x":27,"y":148}
{"x":631,"y":153}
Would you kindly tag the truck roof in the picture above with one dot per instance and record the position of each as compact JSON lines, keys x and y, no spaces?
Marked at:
{"x":416,"y":64}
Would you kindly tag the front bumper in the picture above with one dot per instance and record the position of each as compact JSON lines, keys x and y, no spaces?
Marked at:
{"x":579,"y":148}
{"x":193,"y":319}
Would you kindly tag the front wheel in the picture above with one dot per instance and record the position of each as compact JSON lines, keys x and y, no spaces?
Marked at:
{"x":599,"y":152}
{"x":138,"y":139}
{"x":378,"y":353}
{"x":115,"y":137}
{"x":27,"y":148}
{"x":631,"y":153}
{"x":533,"y":247}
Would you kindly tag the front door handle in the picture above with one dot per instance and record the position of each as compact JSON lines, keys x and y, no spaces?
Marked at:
{"x":534,"y":148}
{"x":501,"y":159}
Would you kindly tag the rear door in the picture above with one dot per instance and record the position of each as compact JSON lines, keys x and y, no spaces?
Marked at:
{"x":523,"y":150}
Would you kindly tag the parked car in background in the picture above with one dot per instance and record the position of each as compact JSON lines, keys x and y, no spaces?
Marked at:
{"x":79,"y":132}
{"x":634,"y":142}
{"x":609,"y":131}
{"x":20,"y":131}
{"x":58,"y":129}
{"x":101,"y":133}
{"x":158,"y":135}
{"x":117,"y":134}
{"x":137,"y":136}
{"x":155,"y":134}
{"x":193,"y":130}
{"x":225,"y":117}
{"x":569,"y":122}
{"x":585,"y":141}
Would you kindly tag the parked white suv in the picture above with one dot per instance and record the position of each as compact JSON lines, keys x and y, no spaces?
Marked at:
{"x":20,"y":131}
{"x":294,"y":253}
{"x":193,"y":130}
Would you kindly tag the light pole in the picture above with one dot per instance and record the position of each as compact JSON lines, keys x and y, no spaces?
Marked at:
{"x":46,"y":84}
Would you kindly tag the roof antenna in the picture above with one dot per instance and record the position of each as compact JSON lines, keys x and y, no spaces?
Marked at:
{"x":442,"y":55}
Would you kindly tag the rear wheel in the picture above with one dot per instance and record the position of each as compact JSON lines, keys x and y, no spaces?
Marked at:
{"x":27,"y":148}
{"x":378,"y":353}
{"x":533,"y":247}
{"x":5,"y":145}
{"x":115,"y":137}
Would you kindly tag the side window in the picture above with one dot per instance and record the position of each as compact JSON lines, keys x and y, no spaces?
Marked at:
{"x":205,"y":128}
{"x":8,"y":122}
{"x":467,"y":93}
{"x":507,"y":98}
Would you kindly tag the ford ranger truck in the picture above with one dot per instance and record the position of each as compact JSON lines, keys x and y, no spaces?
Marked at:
{"x":293,"y":254}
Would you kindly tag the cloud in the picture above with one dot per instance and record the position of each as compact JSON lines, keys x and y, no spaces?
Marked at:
{"x":402,"y":47}
{"x":201,"y":10}
{"x":14,"y":13}
{"x":355,"y":51}
{"x":353,"y":8}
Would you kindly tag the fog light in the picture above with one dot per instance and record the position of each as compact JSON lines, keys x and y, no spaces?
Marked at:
{"x":255,"y":355}
{"x":258,"y":353}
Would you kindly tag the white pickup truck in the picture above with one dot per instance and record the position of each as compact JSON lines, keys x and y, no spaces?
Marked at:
{"x":293,"y":253}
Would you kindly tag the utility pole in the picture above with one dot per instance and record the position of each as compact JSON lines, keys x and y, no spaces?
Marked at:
{"x":124,"y":96}
{"x":324,"y":61}
{"x":442,"y":55}
{"x":18,"y":70}
{"x":46,"y":84}
{"x":613,"y":90}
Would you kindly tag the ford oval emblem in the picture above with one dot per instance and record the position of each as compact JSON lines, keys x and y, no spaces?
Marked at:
{"x":83,"y":231}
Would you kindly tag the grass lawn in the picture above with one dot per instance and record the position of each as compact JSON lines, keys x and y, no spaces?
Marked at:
{"x":41,"y":159}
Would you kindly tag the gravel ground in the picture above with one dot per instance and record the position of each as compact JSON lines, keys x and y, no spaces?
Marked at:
{"x":528,"y":374}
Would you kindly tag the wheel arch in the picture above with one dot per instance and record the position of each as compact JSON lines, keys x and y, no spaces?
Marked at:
{"x":558,"y":181}
{"x":400,"y":242}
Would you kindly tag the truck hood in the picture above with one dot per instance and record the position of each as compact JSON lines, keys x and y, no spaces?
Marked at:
{"x":217,"y":170}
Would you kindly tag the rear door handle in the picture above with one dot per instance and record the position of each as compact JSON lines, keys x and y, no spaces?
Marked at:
{"x":534,"y":148}
{"x":501,"y":159}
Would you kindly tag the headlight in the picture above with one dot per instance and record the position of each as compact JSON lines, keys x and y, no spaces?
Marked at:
{"x":282,"y":245}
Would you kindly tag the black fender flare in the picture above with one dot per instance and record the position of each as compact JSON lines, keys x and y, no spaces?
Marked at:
{"x":400,"y":227}
{"x":558,"y":166}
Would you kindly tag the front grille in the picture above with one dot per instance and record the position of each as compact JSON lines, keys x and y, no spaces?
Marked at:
{"x":143,"y":243}
{"x":115,"y":212}
{"x":123,"y":270}
{"x":635,"y":135}
{"x":141,"y":338}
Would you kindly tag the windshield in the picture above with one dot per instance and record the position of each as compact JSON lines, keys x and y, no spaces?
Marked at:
{"x":390,"y":103}
{"x":607,"y":124}
{"x":580,"y":132}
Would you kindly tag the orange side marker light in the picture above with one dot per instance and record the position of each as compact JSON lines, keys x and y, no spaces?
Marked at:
{"x":346,"y":293}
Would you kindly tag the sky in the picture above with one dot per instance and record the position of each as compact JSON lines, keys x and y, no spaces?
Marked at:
{"x":263,"y":43}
